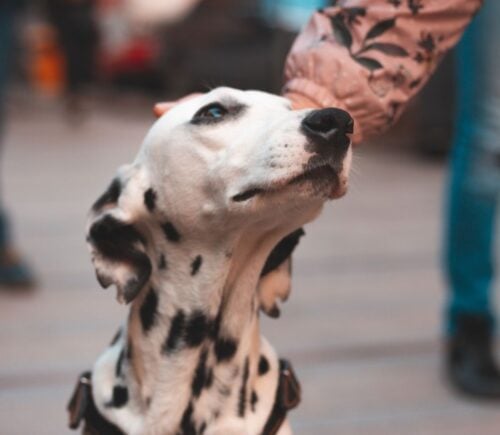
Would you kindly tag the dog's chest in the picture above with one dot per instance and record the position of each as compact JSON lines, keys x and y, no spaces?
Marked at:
{"x":186,"y":387}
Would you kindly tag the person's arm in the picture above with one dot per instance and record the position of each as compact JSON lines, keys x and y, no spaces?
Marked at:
{"x":370,"y":57}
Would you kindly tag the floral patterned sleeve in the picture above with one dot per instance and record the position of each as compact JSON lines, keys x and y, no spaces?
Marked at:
{"x":371,"y":56}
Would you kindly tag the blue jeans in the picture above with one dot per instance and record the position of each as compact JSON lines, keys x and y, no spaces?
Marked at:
{"x":291,"y":14}
{"x":475,"y":170}
{"x":6,"y":22}
{"x":7,"y":15}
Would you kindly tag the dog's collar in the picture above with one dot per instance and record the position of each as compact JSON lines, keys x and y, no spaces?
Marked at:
{"x":287,"y":398}
{"x":82,"y":407}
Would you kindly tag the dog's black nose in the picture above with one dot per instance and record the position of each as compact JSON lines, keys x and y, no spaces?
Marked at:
{"x":328,"y":124}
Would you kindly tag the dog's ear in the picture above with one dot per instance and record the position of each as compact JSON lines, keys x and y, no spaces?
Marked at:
{"x":282,"y":251}
{"x":275,"y":278}
{"x":119,"y":250}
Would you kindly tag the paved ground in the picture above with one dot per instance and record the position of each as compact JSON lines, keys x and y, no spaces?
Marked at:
{"x":362,"y":326}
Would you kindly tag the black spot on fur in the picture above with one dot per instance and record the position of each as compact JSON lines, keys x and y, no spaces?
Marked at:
{"x":130,"y":349}
{"x":116,"y":337}
{"x":176,"y":332}
{"x":150,"y":199}
{"x":119,"y":362}
{"x":187,"y":424}
{"x":116,"y":241}
{"x":120,"y":396}
{"x":209,"y":380}
{"x":196,"y":329}
{"x":110,"y":196}
{"x":215,"y":326}
{"x":263,"y":365}
{"x":132,"y":288}
{"x":242,"y":400}
{"x":203,"y":427}
{"x":148,"y":310}
{"x":282,"y":251}
{"x":196,"y":264}
{"x":200,"y":374}
{"x":171,"y":232}
{"x":162,"y":262}
{"x":112,"y":237}
{"x":253,"y":401}
{"x":104,"y":281}
{"x":225,"y":348}
{"x":274,"y":312}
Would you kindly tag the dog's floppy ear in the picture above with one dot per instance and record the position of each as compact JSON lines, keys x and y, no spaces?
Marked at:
{"x":118,"y":248}
{"x":282,"y":251}
{"x":275,"y":278}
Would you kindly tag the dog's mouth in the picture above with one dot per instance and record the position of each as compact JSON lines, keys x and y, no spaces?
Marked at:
{"x":320,"y":177}
{"x":318,"y":173}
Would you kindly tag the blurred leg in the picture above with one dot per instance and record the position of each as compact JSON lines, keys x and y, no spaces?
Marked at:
{"x":473,"y":194}
{"x":474,"y":190}
{"x":6,"y":17}
{"x":13,"y":272}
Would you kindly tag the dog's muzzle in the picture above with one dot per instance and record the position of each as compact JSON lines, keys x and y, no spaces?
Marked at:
{"x":327,"y":132}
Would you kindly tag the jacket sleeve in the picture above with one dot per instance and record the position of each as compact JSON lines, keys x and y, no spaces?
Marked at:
{"x":370,"y":57}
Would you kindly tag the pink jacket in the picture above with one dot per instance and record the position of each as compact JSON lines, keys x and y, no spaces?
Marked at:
{"x":371,"y":56}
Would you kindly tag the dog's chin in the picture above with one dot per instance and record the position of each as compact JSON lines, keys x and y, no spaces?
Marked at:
{"x":339,"y":190}
{"x":323,"y":182}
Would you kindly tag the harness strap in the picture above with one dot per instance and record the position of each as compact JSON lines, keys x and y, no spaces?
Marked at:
{"x":81,"y":406}
{"x":287,"y":398}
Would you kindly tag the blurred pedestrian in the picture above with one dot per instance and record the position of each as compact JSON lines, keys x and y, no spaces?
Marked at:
{"x":13,"y":271}
{"x":77,"y":31}
{"x":370,"y":57}
{"x":473,"y":200}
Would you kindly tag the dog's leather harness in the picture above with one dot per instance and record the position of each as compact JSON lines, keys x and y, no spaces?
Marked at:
{"x":287,"y":397}
{"x":82,"y":407}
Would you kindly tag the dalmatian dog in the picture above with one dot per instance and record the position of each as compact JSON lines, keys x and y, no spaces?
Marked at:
{"x":195,"y":235}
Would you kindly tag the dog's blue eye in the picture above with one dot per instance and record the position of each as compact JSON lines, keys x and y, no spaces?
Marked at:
{"x":215,"y":112}
{"x":211,"y":112}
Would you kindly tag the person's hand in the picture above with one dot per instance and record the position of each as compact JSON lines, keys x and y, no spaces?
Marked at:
{"x":300,"y":101}
{"x":161,"y":108}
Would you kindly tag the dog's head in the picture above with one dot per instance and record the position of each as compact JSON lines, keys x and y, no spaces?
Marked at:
{"x":215,"y":165}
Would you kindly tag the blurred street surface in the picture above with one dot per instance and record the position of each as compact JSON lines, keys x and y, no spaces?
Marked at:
{"x":362,"y":326}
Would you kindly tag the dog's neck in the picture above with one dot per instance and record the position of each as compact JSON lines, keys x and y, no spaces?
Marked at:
{"x":201,"y":309}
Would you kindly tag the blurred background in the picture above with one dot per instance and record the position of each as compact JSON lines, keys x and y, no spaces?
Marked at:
{"x":364,"y":324}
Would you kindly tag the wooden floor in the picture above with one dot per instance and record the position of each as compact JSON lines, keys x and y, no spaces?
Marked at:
{"x":362,"y":326}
